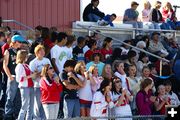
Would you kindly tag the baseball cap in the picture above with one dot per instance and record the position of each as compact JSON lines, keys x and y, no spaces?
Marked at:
{"x":134,"y":3}
{"x":18,"y":38}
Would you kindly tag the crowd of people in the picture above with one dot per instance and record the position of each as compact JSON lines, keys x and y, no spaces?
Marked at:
{"x":151,"y":16}
{"x":47,"y":74}
{"x":51,"y":74}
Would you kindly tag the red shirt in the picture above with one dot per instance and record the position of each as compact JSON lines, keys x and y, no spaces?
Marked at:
{"x":106,"y":52}
{"x":163,"y":109}
{"x":88,"y":54}
{"x":50,"y":93}
{"x":48,"y":43}
{"x":5,"y":47}
{"x":166,"y":14}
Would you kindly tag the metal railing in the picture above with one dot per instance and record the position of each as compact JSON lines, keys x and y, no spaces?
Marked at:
{"x":142,"y":50}
{"x":136,"y":117}
{"x":18,"y":23}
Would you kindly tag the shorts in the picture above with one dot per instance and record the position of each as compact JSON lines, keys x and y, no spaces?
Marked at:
{"x":83,"y":105}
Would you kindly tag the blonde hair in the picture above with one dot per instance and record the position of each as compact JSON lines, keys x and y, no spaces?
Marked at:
{"x":104,"y":71}
{"x":44,"y":70}
{"x":78,"y":66}
{"x":146,"y":2}
{"x":92,"y":68}
{"x":38,"y":48}
{"x":21,"y":56}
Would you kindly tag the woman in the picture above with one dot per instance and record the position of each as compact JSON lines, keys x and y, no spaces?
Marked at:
{"x":162,"y":100}
{"x":107,"y":72}
{"x":133,"y":83}
{"x":146,"y":14}
{"x":98,"y":79}
{"x":102,"y":100}
{"x":50,"y":92}
{"x":85,"y":92}
{"x":121,"y":99}
{"x":24,"y":78}
{"x":106,"y":50}
{"x":144,"y":98}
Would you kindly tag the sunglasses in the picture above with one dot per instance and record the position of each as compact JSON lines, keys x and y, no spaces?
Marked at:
{"x":50,"y":67}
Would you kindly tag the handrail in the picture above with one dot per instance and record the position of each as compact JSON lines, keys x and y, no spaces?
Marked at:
{"x":18,"y":23}
{"x":142,"y":50}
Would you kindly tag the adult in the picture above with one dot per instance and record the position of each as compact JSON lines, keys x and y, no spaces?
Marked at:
{"x":156,"y":17}
{"x":131,"y":16}
{"x":9,"y":65}
{"x":92,"y":13}
{"x":144,"y":98}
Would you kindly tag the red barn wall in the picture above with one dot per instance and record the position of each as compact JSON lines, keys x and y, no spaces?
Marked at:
{"x":58,"y":13}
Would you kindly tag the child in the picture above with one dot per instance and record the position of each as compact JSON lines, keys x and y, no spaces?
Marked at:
{"x":174,"y":98}
{"x":162,"y":100}
{"x":85,"y":92}
{"x":50,"y":92}
{"x":121,"y":99}
{"x":24,"y":78}
{"x":107,"y":20}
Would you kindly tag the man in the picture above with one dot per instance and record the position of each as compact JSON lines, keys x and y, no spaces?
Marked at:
{"x":9,"y":64}
{"x":156,"y":47}
{"x":92,"y":13}
{"x":131,"y":16}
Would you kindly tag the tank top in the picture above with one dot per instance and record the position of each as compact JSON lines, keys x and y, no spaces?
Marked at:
{"x":12,"y":60}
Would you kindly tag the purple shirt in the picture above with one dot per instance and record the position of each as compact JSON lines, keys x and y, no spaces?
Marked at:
{"x":143,"y":103}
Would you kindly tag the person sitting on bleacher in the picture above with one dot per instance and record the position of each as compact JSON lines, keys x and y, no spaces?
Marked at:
{"x":156,"y":47}
{"x":131,"y":16}
{"x":156,"y":18}
{"x":169,"y":16}
{"x":107,"y":20}
{"x":92,"y":13}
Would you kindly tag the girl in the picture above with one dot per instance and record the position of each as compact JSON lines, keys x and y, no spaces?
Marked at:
{"x":50,"y":92}
{"x":102,"y":100}
{"x":142,"y":61}
{"x":107,"y":72}
{"x":24,"y":78}
{"x":107,"y":48}
{"x":98,"y":79}
{"x":133,"y":83}
{"x":174,"y":98}
{"x":162,"y":100}
{"x":144,"y":98}
{"x":85,"y":92}
{"x":120,"y":73}
{"x":121,"y":98}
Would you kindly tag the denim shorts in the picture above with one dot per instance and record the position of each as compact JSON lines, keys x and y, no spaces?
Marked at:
{"x":87,"y":105}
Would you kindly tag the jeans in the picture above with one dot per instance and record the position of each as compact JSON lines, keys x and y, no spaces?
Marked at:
{"x":27,"y":98}
{"x":51,"y":110}
{"x":38,"y":108}
{"x":135,"y":24}
{"x":73,"y":107}
{"x":13,"y":102}
{"x":93,"y":18}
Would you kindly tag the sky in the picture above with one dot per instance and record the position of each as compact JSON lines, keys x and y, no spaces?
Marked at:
{"x":119,"y":6}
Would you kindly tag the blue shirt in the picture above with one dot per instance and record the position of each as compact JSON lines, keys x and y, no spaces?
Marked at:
{"x":107,"y":18}
{"x":131,"y":14}
{"x":100,"y":66}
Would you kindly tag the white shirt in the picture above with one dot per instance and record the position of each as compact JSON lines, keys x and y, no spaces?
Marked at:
{"x":60,"y":56}
{"x":68,"y":52}
{"x":85,"y":93}
{"x":37,"y":65}
{"x":99,"y":105}
{"x":85,"y":49}
{"x":20,"y":74}
{"x":123,"y":79}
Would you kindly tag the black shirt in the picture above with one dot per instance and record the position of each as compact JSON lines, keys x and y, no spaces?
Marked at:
{"x":1,"y":62}
{"x":12,"y":60}
{"x":90,"y":9}
{"x":70,"y":94}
